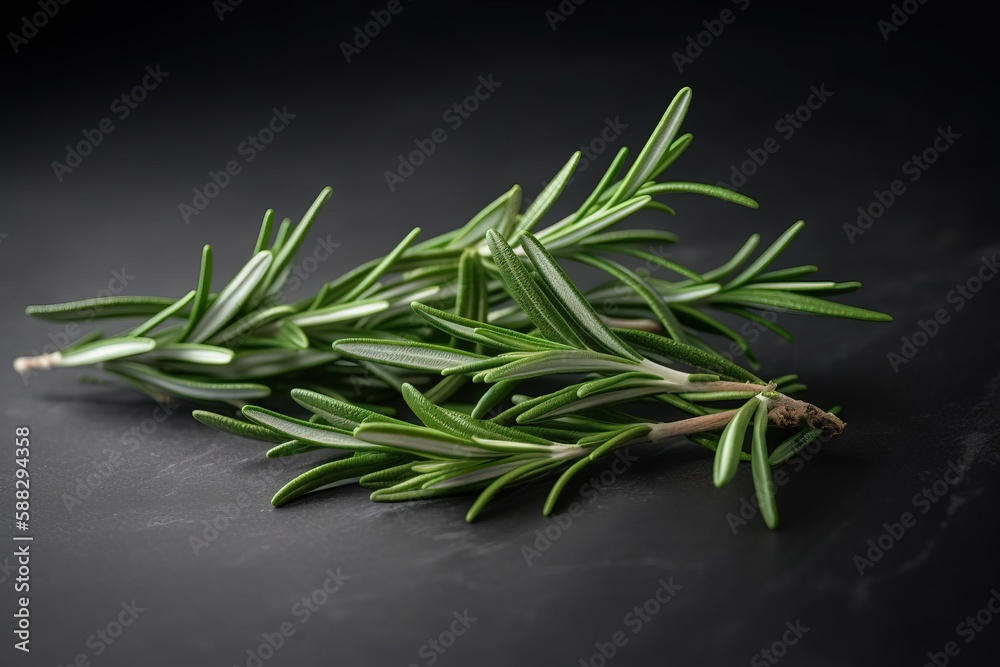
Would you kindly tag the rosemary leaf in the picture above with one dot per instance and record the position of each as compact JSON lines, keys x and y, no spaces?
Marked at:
{"x":763,"y":486}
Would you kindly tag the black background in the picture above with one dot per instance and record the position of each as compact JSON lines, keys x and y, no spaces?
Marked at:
{"x":411,"y":567}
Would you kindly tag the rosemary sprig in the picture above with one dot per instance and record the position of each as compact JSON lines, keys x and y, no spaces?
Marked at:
{"x":453,"y":451}
{"x":243,"y":342}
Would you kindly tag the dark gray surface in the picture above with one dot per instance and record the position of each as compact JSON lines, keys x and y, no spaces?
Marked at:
{"x":410,"y":568}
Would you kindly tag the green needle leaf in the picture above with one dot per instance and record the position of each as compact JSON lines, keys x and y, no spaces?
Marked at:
{"x":421,"y":441}
{"x":291,"y":448}
{"x":497,"y":215}
{"x":405,"y":354}
{"x":475,"y":477}
{"x":767,"y":256}
{"x":201,"y":293}
{"x":461,"y":425}
{"x":566,"y":402}
{"x":516,"y":341}
{"x":471,"y":297}
{"x":650,"y":258}
{"x":341,"y":312}
{"x":101,"y":307}
{"x":162,"y":316}
{"x":523,"y":472}
{"x":673,"y":153}
{"x":735,"y":262}
{"x":236,"y":426}
{"x":232,"y":297}
{"x":786,"y":274}
{"x":700,"y":189}
{"x":727,"y":456}
{"x":493,"y":396}
{"x":264,"y":235}
{"x":763,"y":486}
{"x":298,"y":429}
{"x":701,"y":321}
{"x":543,"y":202}
{"x":382,"y":267}
{"x":339,"y":413}
{"x":106,"y":350}
{"x":621,"y":438}
{"x":475,"y":331}
{"x":584,"y":315}
{"x":288,"y":248}
{"x":630,"y":236}
{"x":281,"y":236}
{"x":193,"y":389}
{"x":529,"y":295}
{"x":593,"y":223}
{"x":245,"y":327}
{"x":600,"y":193}
{"x":790,"y":302}
{"x":652,"y":298}
{"x":388,"y":477}
{"x":194,"y":353}
{"x":290,"y":333}
{"x":332,"y":474}
{"x":551,"y":362}
{"x":757,"y":319}
{"x":628,"y":379}
{"x":652,"y":153}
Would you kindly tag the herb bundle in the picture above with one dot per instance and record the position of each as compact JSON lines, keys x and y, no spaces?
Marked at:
{"x":487,"y":304}
{"x":456,"y":450}
{"x":245,"y":341}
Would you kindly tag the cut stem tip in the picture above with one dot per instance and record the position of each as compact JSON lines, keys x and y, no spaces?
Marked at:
{"x":42,"y":362}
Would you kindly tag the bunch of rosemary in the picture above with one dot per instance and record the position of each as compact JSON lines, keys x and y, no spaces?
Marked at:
{"x":458,"y":450}
{"x":244,"y":341}
{"x":486,"y":302}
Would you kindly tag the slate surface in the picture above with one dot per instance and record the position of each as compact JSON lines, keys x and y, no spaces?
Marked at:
{"x":406,"y":575}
